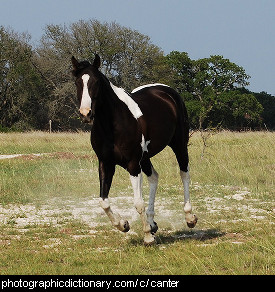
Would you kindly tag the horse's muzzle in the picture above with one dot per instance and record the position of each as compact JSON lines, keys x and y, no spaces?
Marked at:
{"x":88,"y":118}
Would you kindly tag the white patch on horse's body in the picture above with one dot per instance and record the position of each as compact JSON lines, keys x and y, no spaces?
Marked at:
{"x":147,"y":85}
{"x":126,"y":98}
{"x":144,"y":144}
{"x":86,"y":101}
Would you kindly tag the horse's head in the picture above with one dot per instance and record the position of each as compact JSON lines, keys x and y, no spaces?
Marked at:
{"x":87,"y":83}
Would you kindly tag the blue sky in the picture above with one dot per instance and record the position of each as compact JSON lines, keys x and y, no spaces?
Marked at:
{"x":241,"y":30}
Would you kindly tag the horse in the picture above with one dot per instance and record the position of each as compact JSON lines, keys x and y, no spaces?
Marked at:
{"x":127,"y":129}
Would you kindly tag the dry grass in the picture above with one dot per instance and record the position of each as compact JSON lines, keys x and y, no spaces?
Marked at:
{"x":51,"y":222}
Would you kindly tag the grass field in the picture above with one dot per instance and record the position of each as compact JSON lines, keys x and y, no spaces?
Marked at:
{"x":51,"y":221}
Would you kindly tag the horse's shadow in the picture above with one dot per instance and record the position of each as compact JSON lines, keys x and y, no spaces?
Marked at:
{"x":197,"y":235}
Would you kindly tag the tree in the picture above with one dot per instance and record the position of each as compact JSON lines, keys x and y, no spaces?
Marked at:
{"x":236,"y":109}
{"x":21,"y":105}
{"x":181,"y":71}
{"x":36,"y":84}
{"x":268,"y":103}
{"x":129,"y":59}
{"x":209,"y":87}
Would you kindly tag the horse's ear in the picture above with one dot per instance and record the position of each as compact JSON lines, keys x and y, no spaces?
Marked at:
{"x":96,"y":62}
{"x":75,"y":65}
{"x":74,"y":62}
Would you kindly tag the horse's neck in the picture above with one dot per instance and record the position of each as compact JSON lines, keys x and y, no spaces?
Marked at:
{"x":110,"y":103}
{"x":112,"y":110}
{"x":105,"y":111}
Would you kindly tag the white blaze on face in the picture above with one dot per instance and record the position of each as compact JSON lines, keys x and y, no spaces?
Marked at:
{"x":86,"y":102}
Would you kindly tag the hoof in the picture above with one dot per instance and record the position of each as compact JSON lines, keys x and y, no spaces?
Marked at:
{"x":191,"y":222}
{"x":154,"y":228}
{"x":126,"y":226}
{"x":123,"y":226}
{"x":149,"y":239}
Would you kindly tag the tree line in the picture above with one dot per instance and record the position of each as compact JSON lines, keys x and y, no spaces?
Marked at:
{"x":36,"y":85}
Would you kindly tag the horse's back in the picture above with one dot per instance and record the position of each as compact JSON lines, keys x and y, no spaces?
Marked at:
{"x":164,"y":114}
{"x":160,"y":101}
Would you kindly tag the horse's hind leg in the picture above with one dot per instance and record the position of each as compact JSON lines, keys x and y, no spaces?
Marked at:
{"x":191,"y":219}
{"x":181,"y":152}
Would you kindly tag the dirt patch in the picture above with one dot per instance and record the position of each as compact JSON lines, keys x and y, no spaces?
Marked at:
{"x":57,"y":155}
{"x":69,"y":155}
{"x":88,"y":210}
{"x":58,"y":211}
{"x":24,"y":156}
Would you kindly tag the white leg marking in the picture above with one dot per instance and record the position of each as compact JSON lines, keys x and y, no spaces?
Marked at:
{"x":140,"y":207}
{"x":153,"y":183}
{"x":114,"y":218}
{"x":189,"y":217}
{"x":185,"y":177}
{"x":137,"y":187}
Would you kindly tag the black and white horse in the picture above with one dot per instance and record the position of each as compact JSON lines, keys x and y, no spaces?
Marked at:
{"x":129,"y":129}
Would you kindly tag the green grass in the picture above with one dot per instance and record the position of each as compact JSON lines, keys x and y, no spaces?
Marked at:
{"x":51,"y":222}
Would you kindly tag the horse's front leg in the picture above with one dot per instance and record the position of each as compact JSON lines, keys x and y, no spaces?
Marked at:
{"x":106,"y":173}
{"x":136,"y":181}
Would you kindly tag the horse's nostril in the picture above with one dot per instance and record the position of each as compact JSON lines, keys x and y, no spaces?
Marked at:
{"x":86,"y":116}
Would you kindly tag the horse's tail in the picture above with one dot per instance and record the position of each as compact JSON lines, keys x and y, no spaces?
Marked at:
{"x":183,"y":121}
